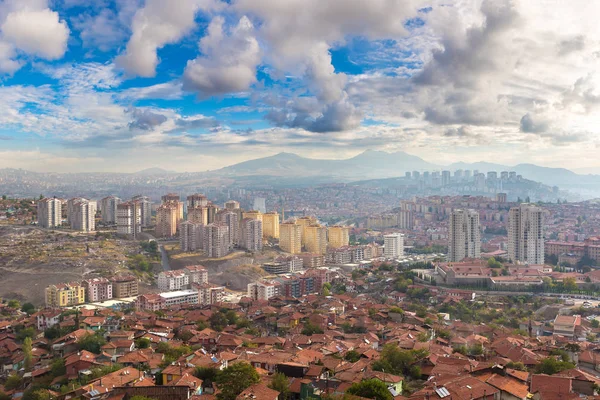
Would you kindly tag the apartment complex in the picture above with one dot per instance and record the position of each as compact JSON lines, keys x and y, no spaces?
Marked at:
{"x":464,"y":235}
{"x":174,"y":199}
{"x":167,"y":219}
{"x":393,"y":245}
{"x":338,"y":236}
{"x":97,"y":289}
{"x":197,"y":215}
{"x":108,"y":209}
{"x":253,"y":214}
{"x":197,"y":200}
{"x":124,"y":286}
{"x":173,"y":280}
{"x":271,"y":225}
{"x":290,"y":237}
{"x":196,"y":274}
{"x":49,"y":212}
{"x":82,"y":214}
{"x":526,"y":234}
{"x":316,"y":239}
{"x":209,"y":294}
{"x":232,"y":205}
{"x":305,"y":222}
{"x":251,"y":234}
{"x":190,"y":236}
{"x":145,"y":206}
{"x":65,"y":294}
{"x":129,"y":218}
{"x":232,"y":221}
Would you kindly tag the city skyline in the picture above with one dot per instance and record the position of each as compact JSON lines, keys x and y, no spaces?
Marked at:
{"x":129,"y":85}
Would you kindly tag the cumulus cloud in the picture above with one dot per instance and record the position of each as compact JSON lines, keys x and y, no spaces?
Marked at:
{"x":228,"y":62}
{"x":155,"y":25}
{"x":533,"y":124}
{"x":29,"y":26}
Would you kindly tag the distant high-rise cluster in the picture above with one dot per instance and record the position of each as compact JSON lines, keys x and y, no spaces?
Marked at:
{"x":464,"y":237}
{"x":526,"y":234}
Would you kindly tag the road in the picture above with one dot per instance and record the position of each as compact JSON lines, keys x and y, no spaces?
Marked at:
{"x":164,"y":258}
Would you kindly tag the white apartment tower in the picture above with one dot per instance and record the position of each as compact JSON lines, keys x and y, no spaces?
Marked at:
{"x":526,"y":234}
{"x":49,"y":212}
{"x":464,"y":237}
{"x":145,"y":206}
{"x":251,"y":233}
{"x":108,"y":207}
{"x":129,"y":218}
{"x":215,"y":239}
{"x":393,"y":245}
{"x":82,"y":215}
{"x":232,"y":220}
{"x":190,"y":236}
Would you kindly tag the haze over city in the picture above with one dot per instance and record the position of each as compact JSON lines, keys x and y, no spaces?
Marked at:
{"x":125,"y":85}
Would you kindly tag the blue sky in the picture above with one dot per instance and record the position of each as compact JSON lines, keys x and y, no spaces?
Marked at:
{"x":122,"y":85}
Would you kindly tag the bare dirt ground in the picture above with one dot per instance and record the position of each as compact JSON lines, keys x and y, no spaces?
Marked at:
{"x":234,"y":271}
{"x":32,"y":258}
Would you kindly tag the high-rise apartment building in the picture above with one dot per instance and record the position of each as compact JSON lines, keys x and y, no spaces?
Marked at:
{"x":251,"y":232}
{"x":145,"y":209}
{"x":253,"y":214}
{"x":129,"y":218}
{"x":232,"y":205}
{"x":215,"y":239}
{"x":197,"y":200}
{"x":83,"y":215}
{"x":124,"y":286}
{"x":393,"y":245}
{"x":316,"y":239}
{"x":232,"y":220}
{"x":173,"y":198}
{"x":65,"y":294}
{"x":198,"y":215}
{"x":271,"y":225}
{"x":49,"y":212}
{"x":167,"y":219}
{"x":190,"y":236}
{"x":108,"y":208}
{"x":338,"y":236}
{"x":526,"y":234}
{"x":304,"y":222}
{"x":464,"y":237}
{"x":446,"y":178}
{"x":290,"y":237}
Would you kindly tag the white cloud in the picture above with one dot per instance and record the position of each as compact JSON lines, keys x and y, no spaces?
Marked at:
{"x":228,"y":62}
{"x":156,"y":24}
{"x":37,"y":32}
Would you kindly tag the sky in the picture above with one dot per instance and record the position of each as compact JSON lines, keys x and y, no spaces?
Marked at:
{"x":194,"y":85}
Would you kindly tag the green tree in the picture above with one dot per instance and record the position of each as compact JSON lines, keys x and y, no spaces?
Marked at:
{"x":551,"y":366}
{"x":28,"y":308}
{"x":595,"y":323}
{"x":519,"y":366}
{"x":570,"y":284}
{"x":399,"y":362}
{"x":218,"y":321}
{"x":371,"y":389}
{"x":206,"y":373}
{"x":14,"y":304}
{"x":352,"y":356}
{"x":281,"y":383}
{"x":492,"y":263}
{"x":234,"y":379}
{"x":58,"y":367}
{"x":142,"y":343}
{"x":92,"y":343}
{"x":311,"y":329}
{"x":13,"y":382}
{"x":4,"y":396}
{"x":28,"y":357}
{"x":39,"y":394}
{"x":325,"y":291}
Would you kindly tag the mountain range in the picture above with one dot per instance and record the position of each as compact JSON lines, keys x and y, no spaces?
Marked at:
{"x":379,"y":164}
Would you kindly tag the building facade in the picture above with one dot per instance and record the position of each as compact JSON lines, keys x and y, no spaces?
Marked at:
{"x":108,"y":209}
{"x":167,"y":219}
{"x":129,"y":218}
{"x":124,"y":286}
{"x":393,"y":245}
{"x":83,"y":215}
{"x":49,"y":213}
{"x":98,"y":289}
{"x":251,"y":234}
{"x":145,"y":209}
{"x":464,"y":235}
{"x":190,"y":236}
{"x":338,"y":236}
{"x":316,"y":239}
{"x":526,"y":234}
{"x":215,"y":238}
{"x":271,"y":225}
{"x":290,"y":237}
{"x":65,"y":294}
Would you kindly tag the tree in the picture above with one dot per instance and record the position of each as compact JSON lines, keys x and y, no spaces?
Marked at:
{"x":281,"y":383}
{"x":352,"y":356}
{"x":92,"y":343}
{"x":325,"y":290}
{"x":519,"y":366}
{"x":218,"y":321}
{"x":142,"y":343}
{"x":28,"y":358}
{"x":399,"y":362}
{"x":311,"y":329}
{"x":13,"y":382}
{"x":371,"y":389}
{"x":492,"y":263}
{"x":28,"y":308}
{"x":551,"y":366}
{"x":206,"y":373}
{"x":595,"y":323}
{"x":4,"y":396}
{"x":39,"y":394}
{"x":58,"y":367}
{"x":234,"y":379}
{"x":570,"y":284}
{"x":14,"y":304}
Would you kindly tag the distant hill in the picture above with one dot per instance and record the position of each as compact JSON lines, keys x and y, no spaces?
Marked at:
{"x":154,"y":171}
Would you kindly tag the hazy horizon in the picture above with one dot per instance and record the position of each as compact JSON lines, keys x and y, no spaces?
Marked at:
{"x":122,"y":86}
